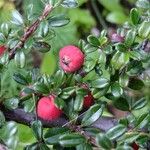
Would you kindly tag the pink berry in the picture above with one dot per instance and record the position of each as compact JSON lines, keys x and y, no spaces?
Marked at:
{"x":2,"y":50}
{"x":71,"y":58}
{"x":47,"y":110}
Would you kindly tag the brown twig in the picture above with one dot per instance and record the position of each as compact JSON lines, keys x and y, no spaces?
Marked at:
{"x":30,"y":30}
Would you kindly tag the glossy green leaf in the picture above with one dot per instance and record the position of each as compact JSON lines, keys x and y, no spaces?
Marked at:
{"x":103,"y":141}
{"x":93,"y":40}
{"x":59,"y":103}
{"x":20,"y":59}
{"x":72,"y":139}
{"x":37,"y":129}
{"x":123,"y":80}
{"x":116,"y":90}
{"x":116,"y":131}
{"x":42,"y":47}
{"x":11,"y":103}
{"x":144,"y":29}
{"x":17,"y":18}
{"x":67,"y":92}
{"x":70,"y":3}
{"x":52,"y":135}
{"x":84,"y":146}
{"x":78,"y":103}
{"x":130,"y":37}
{"x":41,"y":88}
{"x":134,"y":16}
{"x":139,"y":104}
{"x":119,"y":60}
{"x":92,"y":114}
{"x":58,"y":21}
{"x":100,"y":83}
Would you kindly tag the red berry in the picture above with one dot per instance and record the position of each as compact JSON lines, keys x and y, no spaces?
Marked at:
{"x":88,"y":100}
{"x":116,"y":38}
{"x":47,"y":110}
{"x":2,"y":50}
{"x":71,"y":58}
{"x":135,"y":146}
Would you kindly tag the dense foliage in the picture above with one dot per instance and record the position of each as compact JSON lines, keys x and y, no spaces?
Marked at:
{"x":115,"y":73}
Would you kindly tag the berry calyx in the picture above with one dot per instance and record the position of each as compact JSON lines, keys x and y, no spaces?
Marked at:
{"x":2,"y":50}
{"x":47,"y":110}
{"x":88,"y":100}
{"x":71,"y":58}
{"x":116,"y":38}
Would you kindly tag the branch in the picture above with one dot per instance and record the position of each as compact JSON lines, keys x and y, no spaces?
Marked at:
{"x":20,"y":116}
{"x":30,"y":30}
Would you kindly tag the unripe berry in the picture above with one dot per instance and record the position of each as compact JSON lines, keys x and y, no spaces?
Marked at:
{"x":135,"y":146}
{"x":71,"y":58}
{"x":2,"y":50}
{"x":116,"y":38}
{"x":88,"y":100}
{"x":47,"y":110}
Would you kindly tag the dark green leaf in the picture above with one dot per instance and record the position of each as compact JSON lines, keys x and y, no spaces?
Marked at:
{"x":2,"y":119}
{"x":84,"y":146}
{"x":19,"y":78}
{"x":59,"y":78}
{"x":143,"y":120}
{"x":103,"y":141}
{"x":121,"y":104}
{"x":67,"y":92}
{"x":135,"y":84}
{"x":93,"y":40}
{"x":92,"y":114}
{"x":72,"y":139}
{"x":116,"y":131}
{"x":42,"y":47}
{"x":59,"y":103}
{"x":37,"y":129}
{"x":134,"y":15}
{"x":121,"y":47}
{"x":41,"y":88}
{"x":53,"y":134}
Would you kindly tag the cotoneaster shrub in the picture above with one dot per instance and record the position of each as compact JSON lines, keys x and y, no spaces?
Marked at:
{"x":98,"y":73}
